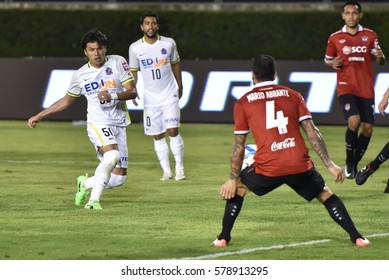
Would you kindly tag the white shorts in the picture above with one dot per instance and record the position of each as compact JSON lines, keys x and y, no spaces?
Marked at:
{"x":103,"y":135}
{"x":157,"y":119}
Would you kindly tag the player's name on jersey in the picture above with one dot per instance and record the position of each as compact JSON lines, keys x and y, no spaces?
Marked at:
{"x":267,"y":94}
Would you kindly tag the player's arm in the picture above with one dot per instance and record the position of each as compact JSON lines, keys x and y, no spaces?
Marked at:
{"x":317,"y":142}
{"x":135,"y":75}
{"x":129,"y":93}
{"x":335,"y":63}
{"x":176,"y":68}
{"x":237,"y":156}
{"x":330,"y":58}
{"x":58,"y":106}
{"x":379,"y":55}
{"x":229,"y":188}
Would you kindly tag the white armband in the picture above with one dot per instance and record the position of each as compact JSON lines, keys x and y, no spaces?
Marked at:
{"x":114,"y":96}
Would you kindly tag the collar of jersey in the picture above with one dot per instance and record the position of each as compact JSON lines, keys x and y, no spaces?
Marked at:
{"x":89,"y":65}
{"x":360,"y":28}
{"x":266,"y":83}
{"x":144,"y":41}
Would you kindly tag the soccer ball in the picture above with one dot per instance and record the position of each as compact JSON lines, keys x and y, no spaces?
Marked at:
{"x":249,"y":152}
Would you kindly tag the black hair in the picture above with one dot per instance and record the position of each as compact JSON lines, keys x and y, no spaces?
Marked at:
{"x":94,"y":36}
{"x":356,"y":3}
{"x":148,"y":14}
{"x":264,"y":67}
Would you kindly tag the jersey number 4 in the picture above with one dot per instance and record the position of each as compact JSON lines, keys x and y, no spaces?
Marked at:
{"x":275,"y":120}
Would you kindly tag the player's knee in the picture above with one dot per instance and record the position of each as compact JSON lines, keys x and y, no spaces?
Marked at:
{"x":242,"y":189}
{"x":111,"y":158}
{"x":325,"y":194}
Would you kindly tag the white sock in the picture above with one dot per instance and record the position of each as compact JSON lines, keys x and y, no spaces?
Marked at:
{"x":114,"y":181}
{"x":177,"y":147}
{"x":103,"y":173}
{"x":162,"y":150}
{"x":89,"y":182}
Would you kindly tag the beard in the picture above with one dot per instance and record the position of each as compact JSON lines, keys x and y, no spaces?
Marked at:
{"x":152,"y":36}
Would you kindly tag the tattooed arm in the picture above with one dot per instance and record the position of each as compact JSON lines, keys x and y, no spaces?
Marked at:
{"x":318,"y":144}
{"x":237,"y":155}
{"x":229,"y":188}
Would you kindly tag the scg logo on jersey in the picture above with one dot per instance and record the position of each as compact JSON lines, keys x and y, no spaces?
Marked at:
{"x":354,"y":49}
{"x":148,"y":62}
{"x":104,"y":85}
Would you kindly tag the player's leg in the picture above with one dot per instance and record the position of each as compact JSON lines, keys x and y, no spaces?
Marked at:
{"x":372,"y":166}
{"x":177,"y":148}
{"x":102,"y":176}
{"x":367,"y":121}
{"x":162,"y":150}
{"x":310,"y":185}
{"x":382,"y":156}
{"x":351,"y":138}
{"x":340,"y":215}
{"x":172,"y":121}
{"x":104,"y":139}
{"x":119,"y":173}
{"x":351,"y":113}
{"x":387,"y":186}
{"x":250,"y":181}
{"x":154,"y":126}
{"x":231,"y":212}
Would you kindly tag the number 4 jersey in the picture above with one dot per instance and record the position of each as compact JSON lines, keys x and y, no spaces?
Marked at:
{"x":154,"y":61}
{"x":272,"y":113}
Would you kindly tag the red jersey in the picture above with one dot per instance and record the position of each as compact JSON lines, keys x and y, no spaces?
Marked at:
{"x":356,"y":75}
{"x":273,"y":114}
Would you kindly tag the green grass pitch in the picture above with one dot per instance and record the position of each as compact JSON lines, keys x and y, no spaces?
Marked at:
{"x":147,"y":219}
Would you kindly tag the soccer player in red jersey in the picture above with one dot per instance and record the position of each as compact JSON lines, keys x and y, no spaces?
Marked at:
{"x":350,"y":51}
{"x":274,"y":115}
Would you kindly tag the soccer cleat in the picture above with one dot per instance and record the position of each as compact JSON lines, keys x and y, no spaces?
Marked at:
{"x":362,"y":242}
{"x":166,"y":176}
{"x":350,"y":171}
{"x":180,"y":174}
{"x":363,"y":174}
{"x":219,"y":243}
{"x":82,"y":192}
{"x":93,"y":205}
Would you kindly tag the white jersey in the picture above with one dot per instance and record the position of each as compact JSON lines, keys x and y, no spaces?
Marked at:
{"x":154,"y":61}
{"x":89,"y":81}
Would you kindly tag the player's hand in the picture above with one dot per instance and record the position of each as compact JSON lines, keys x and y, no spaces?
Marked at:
{"x":229,"y":189}
{"x":336,"y":63}
{"x":134,"y":100}
{"x":104,"y":96}
{"x":382,"y":106}
{"x":378,"y":52}
{"x":33,"y":121}
{"x":337,"y":172}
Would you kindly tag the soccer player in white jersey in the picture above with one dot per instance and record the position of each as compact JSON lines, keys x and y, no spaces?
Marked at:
{"x":107,"y":83}
{"x":159,"y":62}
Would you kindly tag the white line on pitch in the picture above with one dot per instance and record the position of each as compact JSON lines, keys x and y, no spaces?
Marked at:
{"x":246,"y":251}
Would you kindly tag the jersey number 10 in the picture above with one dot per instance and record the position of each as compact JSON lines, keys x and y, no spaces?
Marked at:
{"x":156,"y":74}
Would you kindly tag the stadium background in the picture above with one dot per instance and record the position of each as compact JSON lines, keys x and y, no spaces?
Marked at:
{"x":222,"y":36}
